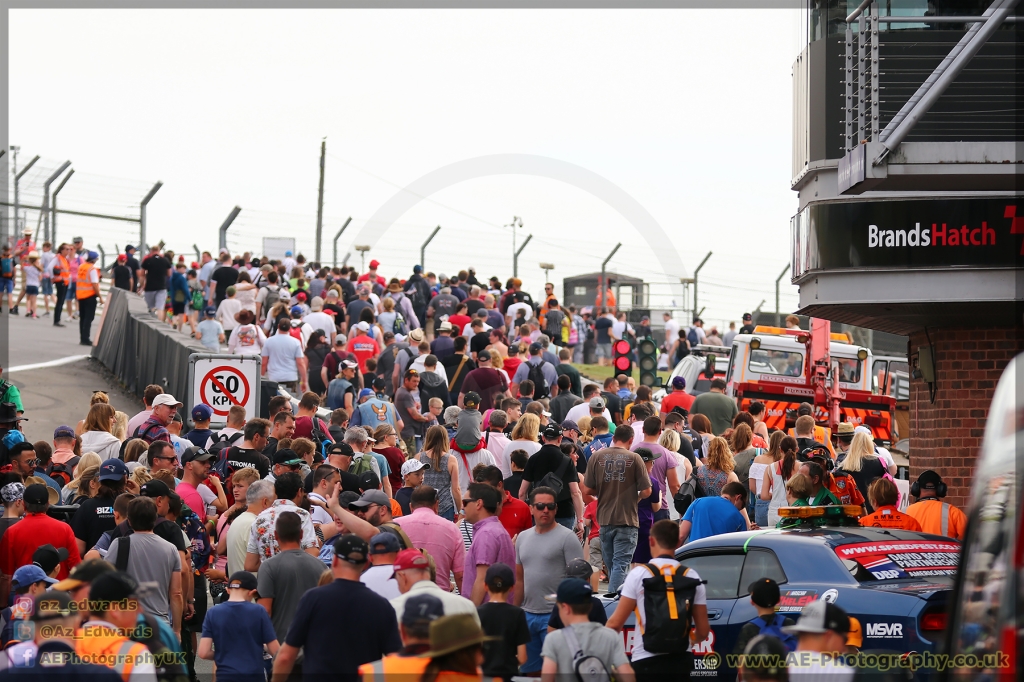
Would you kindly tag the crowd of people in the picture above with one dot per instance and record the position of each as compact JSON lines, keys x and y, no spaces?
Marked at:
{"x":447,"y":483}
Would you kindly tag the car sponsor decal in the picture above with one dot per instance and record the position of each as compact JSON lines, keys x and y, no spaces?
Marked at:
{"x":883,"y":630}
{"x":794,"y":601}
{"x":903,"y":558}
{"x":830,"y":596}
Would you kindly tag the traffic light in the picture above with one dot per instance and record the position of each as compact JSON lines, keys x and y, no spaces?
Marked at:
{"x":621,"y":361}
{"x":647,"y":354}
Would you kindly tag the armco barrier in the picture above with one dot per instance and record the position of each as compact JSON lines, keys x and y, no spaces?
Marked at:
{"x":139,"y":349}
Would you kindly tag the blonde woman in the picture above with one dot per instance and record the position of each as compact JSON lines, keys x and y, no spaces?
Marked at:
{"x":863,"y":465}
{"x":120,"y":430}
{"x":586,"y":433}
{"x":86,"y":482}
{"x":524,"y":437}
{"x":670,"y":441}
{"x":718,"y":468}
{"x":96,"y":434}
{"x":140,"y":476}
{"x":757,"y":471}
{"x":443,"y":474}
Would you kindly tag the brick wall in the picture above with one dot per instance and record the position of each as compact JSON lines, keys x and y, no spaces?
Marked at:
{"x":946,"y":435}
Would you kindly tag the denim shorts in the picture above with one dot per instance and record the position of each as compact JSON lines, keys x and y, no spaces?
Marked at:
{"x":31,"y":290}
{"x":47,"y":287}
{"x":6,"y":285}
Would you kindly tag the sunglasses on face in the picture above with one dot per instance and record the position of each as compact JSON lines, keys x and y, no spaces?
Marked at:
{"x":29,"y":462}
{"x":548,"y":506}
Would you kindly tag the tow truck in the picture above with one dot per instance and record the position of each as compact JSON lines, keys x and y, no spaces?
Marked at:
{"x":785,"y":367}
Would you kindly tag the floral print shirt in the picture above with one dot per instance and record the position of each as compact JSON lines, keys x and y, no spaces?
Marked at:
{"x":261,"y":536}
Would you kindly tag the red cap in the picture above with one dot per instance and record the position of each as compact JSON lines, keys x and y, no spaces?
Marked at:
{"x":374,"y":264}
{"x":411,"y":558}
{"x":122,"y":258}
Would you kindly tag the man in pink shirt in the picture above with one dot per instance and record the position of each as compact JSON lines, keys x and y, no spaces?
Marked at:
{"x":195,"y":463}
{"x":438,"y":536}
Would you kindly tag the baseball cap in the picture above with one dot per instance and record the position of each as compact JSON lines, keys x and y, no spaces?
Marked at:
{"x":112,"y":469}
{"x":91,"y":256}
{"x":499,"y":577}
{"x":378,"y":384}
{"x":12,"y":492}
{"x":166,"y":399}
{"x":865,"y":430}
{"x":155,"y":488}
{"x":84,"y":573}
{"x":551,"y":431}
{"x":287,"y":457}
{"x":597,"y":403}
{"x":410,"y":558}
{"x":52,"y":604}
{"x":417,"y":268}
{"x":210,"y":311}
{"x":647,"y":455}
{"x":47,"y":557}
{"x":535,"y":348}
{"x":129,"y":248}
{"x":421,"y":608}
{"x":855,"y":637}
{"x":574,"y":591}
{"x":764,"y":592}
{"x":579,"y":568}
{"x":374,"y":264}
{"x":365,"y":393}
{"x":929,"y":479}
{"x":484,"y":356}
{"x":369,"y":481}
{"x":385,"y":543}
{"x":472,"y":399}
{"x":113,"y":586}
{"x":747,"y":317}
{"x":30,"y":575}
{"x":196,"y":454}
{"x":679,"y":382}
{"x":343,"y":449}
{"x":570,"y":425}
{"x":202,"y":413}
{"x":372,"y":496}
{"x":351,"y":548}
{"x":243,"y":580}
{"x":348,"y":364}
{"x":63,"y":431}
{"x":411,"y":466}
{"x":820,"y":617}
{"x":296,"y":310}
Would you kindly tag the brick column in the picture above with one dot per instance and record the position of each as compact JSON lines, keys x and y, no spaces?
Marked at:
{"x":946,"y":435}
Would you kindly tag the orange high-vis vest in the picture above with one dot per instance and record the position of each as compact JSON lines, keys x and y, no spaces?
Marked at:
{"x":822,"y":434}
{"x":65,"y":271}
{"x":102,"y":644}
{"x":394,"y":668}
{"x":83,"y":287}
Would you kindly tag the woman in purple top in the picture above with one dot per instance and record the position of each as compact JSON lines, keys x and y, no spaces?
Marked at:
{"x":646,"y":508}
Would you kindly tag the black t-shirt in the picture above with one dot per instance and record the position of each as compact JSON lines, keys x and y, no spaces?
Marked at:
{"x":686,"y":449}
{"x":747,"y":329}
{"x":403,"y":496}
{"x":122,"y":277}
{"x":224,"y":276}
{"x":602,"y":326}
{"x":455,"y":377}
{"x":479,"y":342}
{"x":546,"y":460}
{"x":240,"y":458}
{"x":473,"y":305}
{"x":95,"y":516}
{"x":613,"y":403}
{"x":596,"y":615}
{"x":133,"y":264}
{"x":323,"y":625}
{"x":508,"y":623}
{"x":514,"y":482}
{"x":355,"y":309}
{"x":156,"y":268}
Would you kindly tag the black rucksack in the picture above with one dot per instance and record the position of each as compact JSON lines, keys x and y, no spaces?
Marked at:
{"x":221,"y":445}
{"x":535,"y":373}
{"x":556,"y":481}
{"x":688,"y":492}
{"x":668,"y":610}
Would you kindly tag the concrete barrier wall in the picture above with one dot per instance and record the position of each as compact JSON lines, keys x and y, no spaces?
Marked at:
{"x":139,"y":349}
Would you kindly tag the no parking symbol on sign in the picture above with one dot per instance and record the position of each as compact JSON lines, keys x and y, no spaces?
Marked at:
{"x":223,"y":381}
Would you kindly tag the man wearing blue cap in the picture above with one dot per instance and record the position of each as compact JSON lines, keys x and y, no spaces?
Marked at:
{"x":582,"y":638}
{"x":27,"y":582}
{"x":379,"y":577}
{"x":87,"y":293}
{"x":201,"y":431}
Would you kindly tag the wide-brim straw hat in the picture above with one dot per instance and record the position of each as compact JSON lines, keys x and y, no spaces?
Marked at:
{"x":451,"y":633}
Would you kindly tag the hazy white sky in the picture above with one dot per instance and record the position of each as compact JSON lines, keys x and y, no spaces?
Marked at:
{"x":688,"y":111}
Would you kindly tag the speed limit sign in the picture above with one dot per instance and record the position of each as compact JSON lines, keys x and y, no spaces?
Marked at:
{"x":223,"y":381}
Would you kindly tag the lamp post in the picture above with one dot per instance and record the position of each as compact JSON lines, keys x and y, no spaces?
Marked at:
{"x":362,"y":249}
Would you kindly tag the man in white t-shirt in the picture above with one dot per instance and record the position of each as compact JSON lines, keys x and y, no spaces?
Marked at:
{"x":656,"y":667}
{"x":821,"y":629}
{"x":671,"y":331}
{"x":379,"y":577}
{"x":283,"y":359}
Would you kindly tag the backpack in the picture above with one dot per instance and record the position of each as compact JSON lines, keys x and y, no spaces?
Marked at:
{"x":693,"y":337}
{"x":195,"y":529}
{"x":198,"y":300}
{"x":168,"y":666}
{"x":553,"y":480}
{"x":7,"y":267}
{"x":296,"y":332}
{"x":535,"y":373}
{"x":399,"y":326}
{"x":667,"y":626}
{"x":321,"y":439}
{"x":62,"y":473}
{"x":361,"y":464}
{"x":220,"y":447}
{"x":273,"y":296}
{"x":688,"y":492}
{"x":587,"y":668}
{"x":774,"y":629}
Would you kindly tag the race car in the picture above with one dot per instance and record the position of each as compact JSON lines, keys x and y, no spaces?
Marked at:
{"x":894,"y":582}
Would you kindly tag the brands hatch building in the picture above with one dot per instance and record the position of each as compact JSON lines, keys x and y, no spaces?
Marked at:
{"x":907,"y":161}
